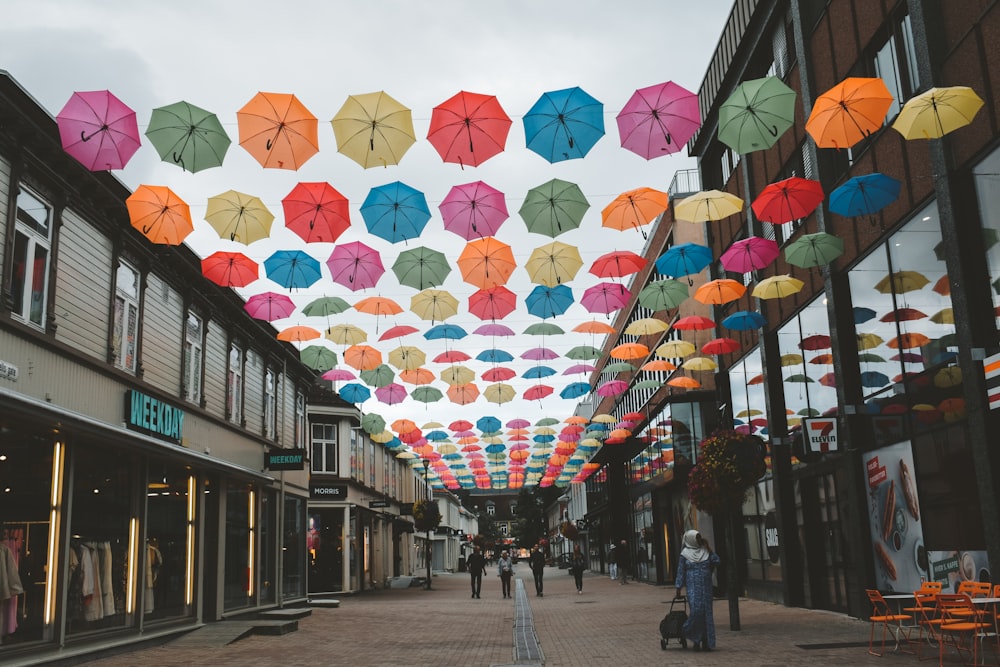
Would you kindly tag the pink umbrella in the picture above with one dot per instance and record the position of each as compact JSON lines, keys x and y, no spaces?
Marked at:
{"x":355,"y":266}
{"x":658,"y":120}
{"x":518,"y":422}
{"x":99,"y":130}
{"x":494,"y":329}
{"x":538,"y":392}
{"x":540,"y":354}
{"x":269,"y":306}
{"x":612,"y":388}
{"x":338,"y":374}
{"x":473,"y":210}
{"x":749,"y":254}
{"x":391,"y":393}
{"x":579,"y":368}
{"x":605,"y":298}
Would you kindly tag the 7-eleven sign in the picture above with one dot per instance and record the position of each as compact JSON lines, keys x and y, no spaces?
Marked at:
{"x":821,"y":434}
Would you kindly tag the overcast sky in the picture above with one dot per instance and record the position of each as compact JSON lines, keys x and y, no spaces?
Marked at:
{"x":218,"y":55}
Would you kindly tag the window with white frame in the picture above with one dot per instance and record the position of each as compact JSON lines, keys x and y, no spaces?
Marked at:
{"x":357,"y":457}
{"x":491,"y":508}
{"x":30,"y":260}
{"x":323,"y":455}
{"x":300,"y":419}
{"x":194,"y":336}
{"x":234,"y":384}
{"x":895,"y":62}
{"x":270,"y":404}
{"x":125,"y":329}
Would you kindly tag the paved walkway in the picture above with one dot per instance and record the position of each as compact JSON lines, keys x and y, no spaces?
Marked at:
{"x":609,"y":624}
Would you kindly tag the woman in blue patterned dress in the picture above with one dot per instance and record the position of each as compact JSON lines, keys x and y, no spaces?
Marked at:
{"x":694,"y":572}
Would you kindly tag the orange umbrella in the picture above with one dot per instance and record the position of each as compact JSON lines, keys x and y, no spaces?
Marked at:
{"x":486,"y":262}
{"x":159,"y":214}
{"x":630,"y":351}
{"x":378,"y":305}
{"x":463,"y":394}
{"x":362,"y":357}
{"x":298,"y":334}
{"x":720,"y":291}
{"x":416,"y":376}
{"x":684,"y":382}
{"x":907,"y":341}
{"x":849,"y":112}
{"x":658,"y":365}
{"x":595,"y":327}
{"x":634,"y":208}
{"x":277,"y":130}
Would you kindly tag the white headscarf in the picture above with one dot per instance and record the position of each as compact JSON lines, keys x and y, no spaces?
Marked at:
{"x":693,"y":551}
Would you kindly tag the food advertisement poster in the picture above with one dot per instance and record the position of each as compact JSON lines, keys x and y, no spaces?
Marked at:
{"x":953,"y":567}
{"x":894,"y":518}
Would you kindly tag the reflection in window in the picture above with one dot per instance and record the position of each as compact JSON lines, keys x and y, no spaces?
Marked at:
{"x":234,"y":384}
{"x":807,"y":380}
{"x":746,"y":381}
{"x":30,"y":260}
{"x":194,"y":332}
{"x":124,"y":334}
{"x":987,"y":180}
{"x":895,"y":62}
{"x":167,"y":567}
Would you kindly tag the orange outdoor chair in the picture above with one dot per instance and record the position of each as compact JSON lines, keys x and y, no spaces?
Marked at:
{"x":931,"y":587}
{"x":960,"y":626}
{"x":975,"y":589}
{"x":924,"y":611}
{"x":892,"y":623}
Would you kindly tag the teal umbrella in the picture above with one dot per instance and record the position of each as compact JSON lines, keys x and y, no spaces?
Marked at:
{"x":188,"y":136}
{"x":811,"y":250}
{"x":756,"y":114}
{"x":553,"y":208}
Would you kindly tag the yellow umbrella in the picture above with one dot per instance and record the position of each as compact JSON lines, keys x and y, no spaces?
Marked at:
{"x":944,"y":316}
{"x":646,"y":326}
{"x":750,"y":412}
{"x":499,"y":392}
{"x":346,"y":334}
{"x":700,"y":364}
{"x":407,"y":358}
{"x":382,"y":437}
{"x":553,"y":264}
{"x":239,"y":217}
{"x":373,"y":129}
{"x":545,"y":430}
{"x":867,"y":341}
{"x":708,"y":205}
{"x":434,"y":304}
{"x":675,"y":348}
{"x":901,"y":281}
{"x":603,"y":418}
{"x":948,"y":377}
{"x":936,"y":112}
{"x":777,"y":287}
{"x":791,"y":359}
{"x":455,"y":375}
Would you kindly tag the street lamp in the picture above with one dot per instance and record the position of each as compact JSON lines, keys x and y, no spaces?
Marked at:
{"x":427,"y":547}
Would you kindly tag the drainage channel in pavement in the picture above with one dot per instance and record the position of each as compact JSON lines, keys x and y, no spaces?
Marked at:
{"x":526,"y":648}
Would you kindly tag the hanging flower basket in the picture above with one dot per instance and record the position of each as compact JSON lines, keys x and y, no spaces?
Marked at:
{"x":426,"y":515}
{"x":569,"y":530}
{"x":730,"y":463}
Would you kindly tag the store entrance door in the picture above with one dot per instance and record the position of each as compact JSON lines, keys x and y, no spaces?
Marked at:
{"x":325,"y":544}
{"x":821,"y":534}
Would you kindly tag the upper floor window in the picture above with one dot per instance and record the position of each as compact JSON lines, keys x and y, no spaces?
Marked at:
{"x":30,"y":261}
{"x":491,"y":508}
{"x":270,"y":404}
{"x":895,"y":62}
{"x":125,"y":329}
{"x":194,"y":333}
{"x":357,"y":456}
{"x":324,"y":448}
{"x":300,"y":420}
{"x":234,"y":384}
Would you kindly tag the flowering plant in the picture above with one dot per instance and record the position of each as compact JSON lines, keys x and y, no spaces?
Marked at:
{"x":426,"y":515}
{"x":729,"y":465}
{"x":569,"y":530}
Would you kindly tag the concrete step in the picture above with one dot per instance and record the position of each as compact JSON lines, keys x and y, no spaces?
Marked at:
{"x":327,"y":603}
{"x":274,"y":627}
{"x":287,"y":613}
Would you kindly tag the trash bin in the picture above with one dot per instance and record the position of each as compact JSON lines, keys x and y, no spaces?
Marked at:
{"x":461,"y":563}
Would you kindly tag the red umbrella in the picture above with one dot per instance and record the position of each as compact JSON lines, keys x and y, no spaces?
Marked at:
{"x":355,"y":266}
{"x":98,"y":129}
{"x":605,"y":298}
{"x":473,"y":210}
{"x":492,"y":303}
{"x":498,"y":374}
{"x":817,"y":342}
{"x":788,"y":200}
{"x":693,"y":322}
{"x":316,"y":212}
{"x":828,"y":380}
{"x":617,"y":264}
{"x":230,"y":269}
{"x":397,"y":331}
{"x":749,"y":254}
{"x":269,"y":306}
{"x":720,"y":346}
{"x":538,"y":392}
{"x":468,"y":128}
{"x":903,"y":315}
{"x":451,"y":357}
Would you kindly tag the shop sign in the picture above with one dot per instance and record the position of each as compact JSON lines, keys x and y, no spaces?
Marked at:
{"x":378,"y":503}
{"x":152,"y":416}
{"x":8,"y":371}
{"x":821,"y":434}
{"x":285,"y":459}
{"x":771,"y":537}
{"x":328,"y":491}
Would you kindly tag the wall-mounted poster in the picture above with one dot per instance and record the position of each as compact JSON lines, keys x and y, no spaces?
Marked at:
{"x":953,"y":567}
{"x":894,"y":519}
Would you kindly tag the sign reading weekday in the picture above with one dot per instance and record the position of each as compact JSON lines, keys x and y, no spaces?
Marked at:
{"x":285,"y":459}
{"x":821,"y":434}
{"x":991,"y":367}
{"x":152,"y":416}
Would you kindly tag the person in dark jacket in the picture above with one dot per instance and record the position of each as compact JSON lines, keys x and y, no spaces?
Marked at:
{"x":624,"y":560}
{"x":505,"y":570}
{"x":577,"y":564}
{"x":476,"y":565}
{"x":536,"y":561}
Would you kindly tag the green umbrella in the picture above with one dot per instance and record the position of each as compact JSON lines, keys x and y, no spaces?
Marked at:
{"x":421,"y":267}
{"x":325,"y":306}
{"x":756,"y":114}
{"x":188,"y":136}
{"x":553,"y":208}
{"x":547,"y":421}
{"x":544,"y":329}
{"x":811,"y":250}
{"x":581,"y":352}
{"x":647,"y":384}
{"x":319,"y":357}
{"x":379,"y":376}
{"x":426,"y":394}
{"x":663,"y":294}
{"x":621,"y":367}
{"x":373,"y":423}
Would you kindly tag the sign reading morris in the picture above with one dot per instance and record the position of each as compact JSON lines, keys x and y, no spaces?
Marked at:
{"x":153,"y":417}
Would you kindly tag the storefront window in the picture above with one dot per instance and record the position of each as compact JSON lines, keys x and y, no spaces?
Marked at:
{"x":268,"y":547}
{"x":294,"y":548}
{"x":168,"y":560}
{"x":987,"y":180}
{"x":240,"y":537}
{"x":746,"y":383}
{"x":645,"y":538}
{"x":807,"y":364}
{"x":325,"y":544}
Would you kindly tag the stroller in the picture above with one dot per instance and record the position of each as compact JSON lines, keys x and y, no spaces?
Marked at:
{"x":670,"y":626}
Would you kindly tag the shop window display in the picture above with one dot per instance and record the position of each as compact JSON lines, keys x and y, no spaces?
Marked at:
{"x":168,"y":556}
{"x":293,"y":549}
{"x":325,"y":542}
{"x":240,"y":538}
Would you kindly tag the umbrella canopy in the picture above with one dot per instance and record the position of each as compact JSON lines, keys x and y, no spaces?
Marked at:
{"x":756,"y":114}
{"x":750,"y":254}
{"x":583,"y":352}
{"x":658,"y":365}
{"x":316,"y":212}
{"x":605,"y":297}
{"x":908,"y":341}
{"x":699,"y":364}
{"x":469,"y":128}
{"x":634,"y":209}
{"x":787,"y":200}
{"x":230,"y":269}
{"x":239,"y":217}
{"x":463,"y":394}
{"x":675,"y":349}
{"x":595,"y":327}
{"x":407,"y":357}
{"x":564,"y":124}
{"x":777,"y":287}
{"x":867,"y":341}
{"x":495,"y":356}
{"x":815,"y":342}
{"x":373,"y":129}
{"x":617,"y":264}
{"x":159,"y":214}
{"x":538,"y":392}
{"x":818,"y":249}
{"x":297,"y":334}
{"x":346,"y":334}
{"x":936,"y":112}
{"x":708,"y":205}
{"x":454,"y":375}
{"x":98,"y":130}
{"x":540,"y":354}
{"x":419,"y":376}
{"x":849,"y":112}
{"x":380,"y":376}
{"x":693,"y":323}
{"x":355,"y":265}
{"x":379,"y":306}
{"x":473,"y":210}
{"x":545,"y":302}
{"x":362,"y":357}
{"x":499,"y":374}
{"x":188,"y":136}
{"x":684,"y":259}
{"x":355,"y":393}
{"x":445,"y":331}
{"x":575,"y":390}
{"x":486,"y":262}
{"x":553,"y":264}
{"x":269,"y":306}
{"x":658,"y":120}
{"x":903,"y":315}
{"x":421,"y":267}
{"x":278,"y":130}
{"x":543,"y":329}
{"x":720,"y":346}
{"x":864,"y":195}
{"x":493,"y":303}
{"x":318,"y":357}
{"x":325,"y":306}
{"x":537,"y":372}
{"x":434,"y":305}
{"x":719,"y":291}
{"x":901,"y":281}
{"x":292,"y":268}
{"x":612,"y":388}
{"x":663,"y":294}
{"x":553,"y":208}
{"x":744,"y":320}
{"x":627,"y":351}
{"x":499,"y":393}
{"x":395,"y":212}
{"x":646,"y":326}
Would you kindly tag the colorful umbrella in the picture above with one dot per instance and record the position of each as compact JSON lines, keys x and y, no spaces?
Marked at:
{"x":239,"y":217}
{"x":486,"y":262}
{"x":777,"y":287}
{"x":418,"y":376}
{"x":316,"y":212}
{"x":595,"y":327}
{"x":230,"y":269}
{"x":693,"y":323}
{"x":325,"y":306}
{"x":445,"y":331}
{"x":553,"y":208}
{"x":564,"y":124}
{"x":391,"y":394}
{"x":575,"y":390}
{"x":355,"y":393}
{"x":277,"y":130}
{"x":617,"y":264}
{"x":421,"y":267}
{"x":605,"y":298}
{"x":292,"y":268}
{"x":756,"y":114}
{"x":620,"y":367}
{"x":318,"y":357}
{"x":815,"y":342}
{"x":634,"y":209}
{"x":720,"y":346}
{"x":269,"y":306}
{"x":434,"y":305}
{"x":750,"y":254}
{"x":498,"y":374}
{"x":849,"y":112}
{"x":684,"y":259}
{"x":373,"y":129}
{"x":864,"y":195}
{"x":407,"y":358}
{"x":787,"y":200}
{"x":867,"y":341}
{"x":627,"y":351}
{"x":580,"y":368}
{"x":818,"y":249}
{"x":468,"y":128}
{"x":744,"y":320}
{"x":903,"y":315}
{"x":612,"y":388}
{"x":545,"y":302}
{"x":159,"y":214}
{"x":380,"y":376}
{"x":297,"y":334}
{"x":708,"y":205}
{"x":473,"y":210}
{"x":463,"y":394}
{"x":583,"y":352}
{"x":936,"y":112}
{"x":188,"y":136}
{"x":873,"y":379}
{"x":658,"y":120}
{"x":495,"y":356}
{"x":663,"y":294}
{"x":538,"y":392}
{"x":539,"y":354}
{"x":543,"y":329}
{"x":355,"y":265}
{"x":901,"y":281}
{"x":493,"y":303}
{"x":98,"y":130}
{"x":362,"y":357}
{"x":378,"y":306}
{"x":646,"y":326}
{"x":658,"y":366}
{"x":346,"y":334}
{"x":719,"y":291}
{"x":395,"y":212}
{"x":908,"y":341}
{"x":699,"y":364}
{"x":553,"y":264}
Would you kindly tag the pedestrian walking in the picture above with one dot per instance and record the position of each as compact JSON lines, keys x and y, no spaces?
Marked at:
{"x":577,"y":564}
{"x":476,"y":565}
{"x":505,"y":570}
{"x":536,"y":561}
{"x":624,"y":560}
{"x":694,"y":573}
{"x":612,"y":564}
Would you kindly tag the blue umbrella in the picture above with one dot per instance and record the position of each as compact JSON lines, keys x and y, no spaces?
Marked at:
{"x":395,"y":212}
{"x":744,"y":320}
{"x":495,"y":448}
{"x":874,"y":379}
{"x":437,"y":435}
{"x":862,"y":314}
{"x":864,"y":195}
{"x":449,"y":331}
{"x":536,"y":372}
{"x":575,"y":390}
{"x":544,"y":301}
{"x":684,"y":259}
{"x":488,"y":424}
{"x":495,"y":356}
{"x":353,"y":392}
{"x":564,"y":124}
{"x":292,"y":268}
